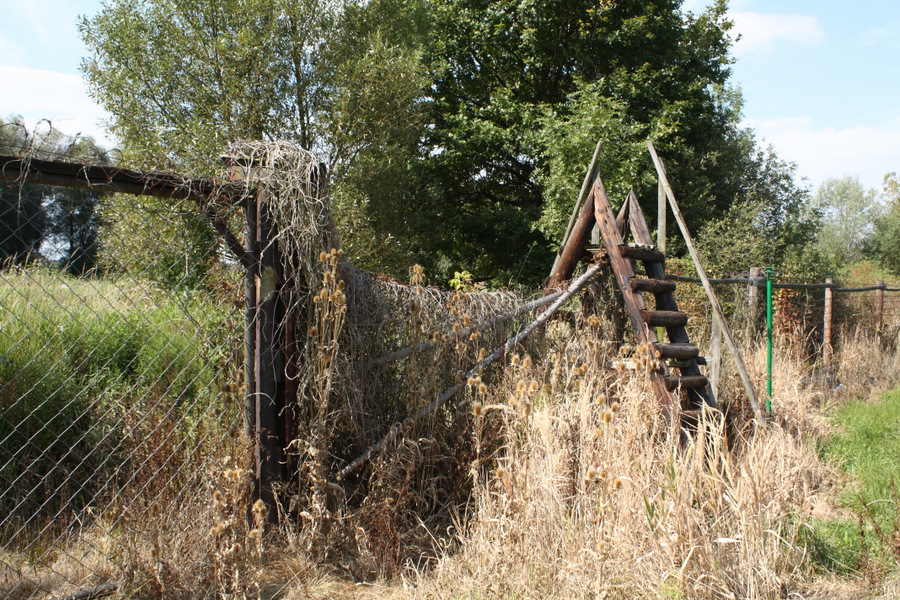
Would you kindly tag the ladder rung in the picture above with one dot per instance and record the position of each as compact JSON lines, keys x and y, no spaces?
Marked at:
{"x":664,"y":318}
{"x":681,"y":363}
{"x":644,"y":254}
{"x":654,"y":286}
{"x":678,"y":351}
{"x":689,"y":382}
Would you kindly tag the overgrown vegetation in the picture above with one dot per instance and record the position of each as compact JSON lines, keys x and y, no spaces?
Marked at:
{"x":93,"y":377}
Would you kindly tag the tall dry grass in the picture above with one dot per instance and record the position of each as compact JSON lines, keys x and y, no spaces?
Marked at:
{"x":575,"y":486}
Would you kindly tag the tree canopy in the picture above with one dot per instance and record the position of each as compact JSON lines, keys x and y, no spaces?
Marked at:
{"x":456,"y":131}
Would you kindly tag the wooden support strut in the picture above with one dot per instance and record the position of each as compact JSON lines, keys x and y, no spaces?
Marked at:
{"x":634,"y":303}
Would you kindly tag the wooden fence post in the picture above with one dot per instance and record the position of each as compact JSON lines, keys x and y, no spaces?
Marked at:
{"x":756,"y":273}
{"x":879,"y":309}
{"x":269,"y":363}
{"x":827,"y":349}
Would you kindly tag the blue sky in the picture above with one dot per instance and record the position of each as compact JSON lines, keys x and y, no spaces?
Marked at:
{"x":821,"y":79}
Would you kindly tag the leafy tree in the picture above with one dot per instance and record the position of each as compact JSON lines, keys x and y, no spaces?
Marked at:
{"x":510,"y":75}
{"x":848,"y":214}
{"x":343,"y":79}
{"x":73,"y":219}
{"x":769,"y":224}
{"x":887,"y":226}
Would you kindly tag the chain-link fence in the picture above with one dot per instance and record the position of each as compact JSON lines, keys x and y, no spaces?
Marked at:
{"x":141,"y":341}
{"x":118,"y":363}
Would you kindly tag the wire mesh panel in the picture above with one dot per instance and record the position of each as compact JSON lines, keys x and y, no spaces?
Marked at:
{"x":120,"y":321}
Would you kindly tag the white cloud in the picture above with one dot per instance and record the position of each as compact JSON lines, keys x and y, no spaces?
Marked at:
{"x":58,"y":97}
{"x":821,"y":153}
{"x":763,"y":32}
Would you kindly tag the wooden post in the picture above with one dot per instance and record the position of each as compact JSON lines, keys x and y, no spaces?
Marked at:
{"x":250,"y":278}
{"x":827,"y":349}
{"x":661,"y":217}
{"x":269,"y":394}
{"x":707,"y":286}
{"x":574,"y":248}
{"x":756,"y":274}
{"x":585,"y":186}
{"x":715,"y":365}
{"x":879,"y":309}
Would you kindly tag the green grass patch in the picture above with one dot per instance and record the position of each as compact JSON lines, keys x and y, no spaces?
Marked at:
{"x":867,"y":448}
{"x":100,"y":377}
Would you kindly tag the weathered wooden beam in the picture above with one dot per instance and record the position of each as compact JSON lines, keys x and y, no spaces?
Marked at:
{"x":582,"y":193}
{"x":686,"y":382}
{"x":114,"y":180}
{"x":682,"y":351}
{"x":664,"y":318}
{"x":574,"y":247}
{"x":642,"y":254}
{"x":269,"y":452}
{"x":653,"y":286}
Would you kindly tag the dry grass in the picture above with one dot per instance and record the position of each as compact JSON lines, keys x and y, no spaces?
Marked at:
{"x":553,"y":477}
{"x":578,"y":488}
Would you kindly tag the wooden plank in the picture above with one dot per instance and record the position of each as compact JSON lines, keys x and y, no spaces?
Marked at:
{"x":716,"y":357}
{"x":879,"y":309}
{"x":585,"y":187}
{"x":574,"y":247}
{"x":660,"y":217}
{"x":638,"y":223}
{"x":678,"y":351}
{"x":652,"y":286}
{"x":713,"y":300}
{"x":827,"y":348}
{"x":664,"y":318}
{"x":269,"y":452}
{"x":642,"y":254}
{"x":634,"y":303}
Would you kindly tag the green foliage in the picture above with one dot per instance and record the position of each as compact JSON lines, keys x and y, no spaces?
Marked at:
{"x":456,"y":131}
{"x":866,"y":448}
{"x":886,"y":240}
{"x":343,"y":79}
{"x":512,"y":81}
{"x":77,"y":353}
{"x":768,"y":225}
{"x":165,"y":241}
{"x":22,"y":218}
{"x":848,"y":214}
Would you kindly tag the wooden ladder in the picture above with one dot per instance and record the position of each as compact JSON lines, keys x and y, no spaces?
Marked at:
{"x":679,"y":353}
